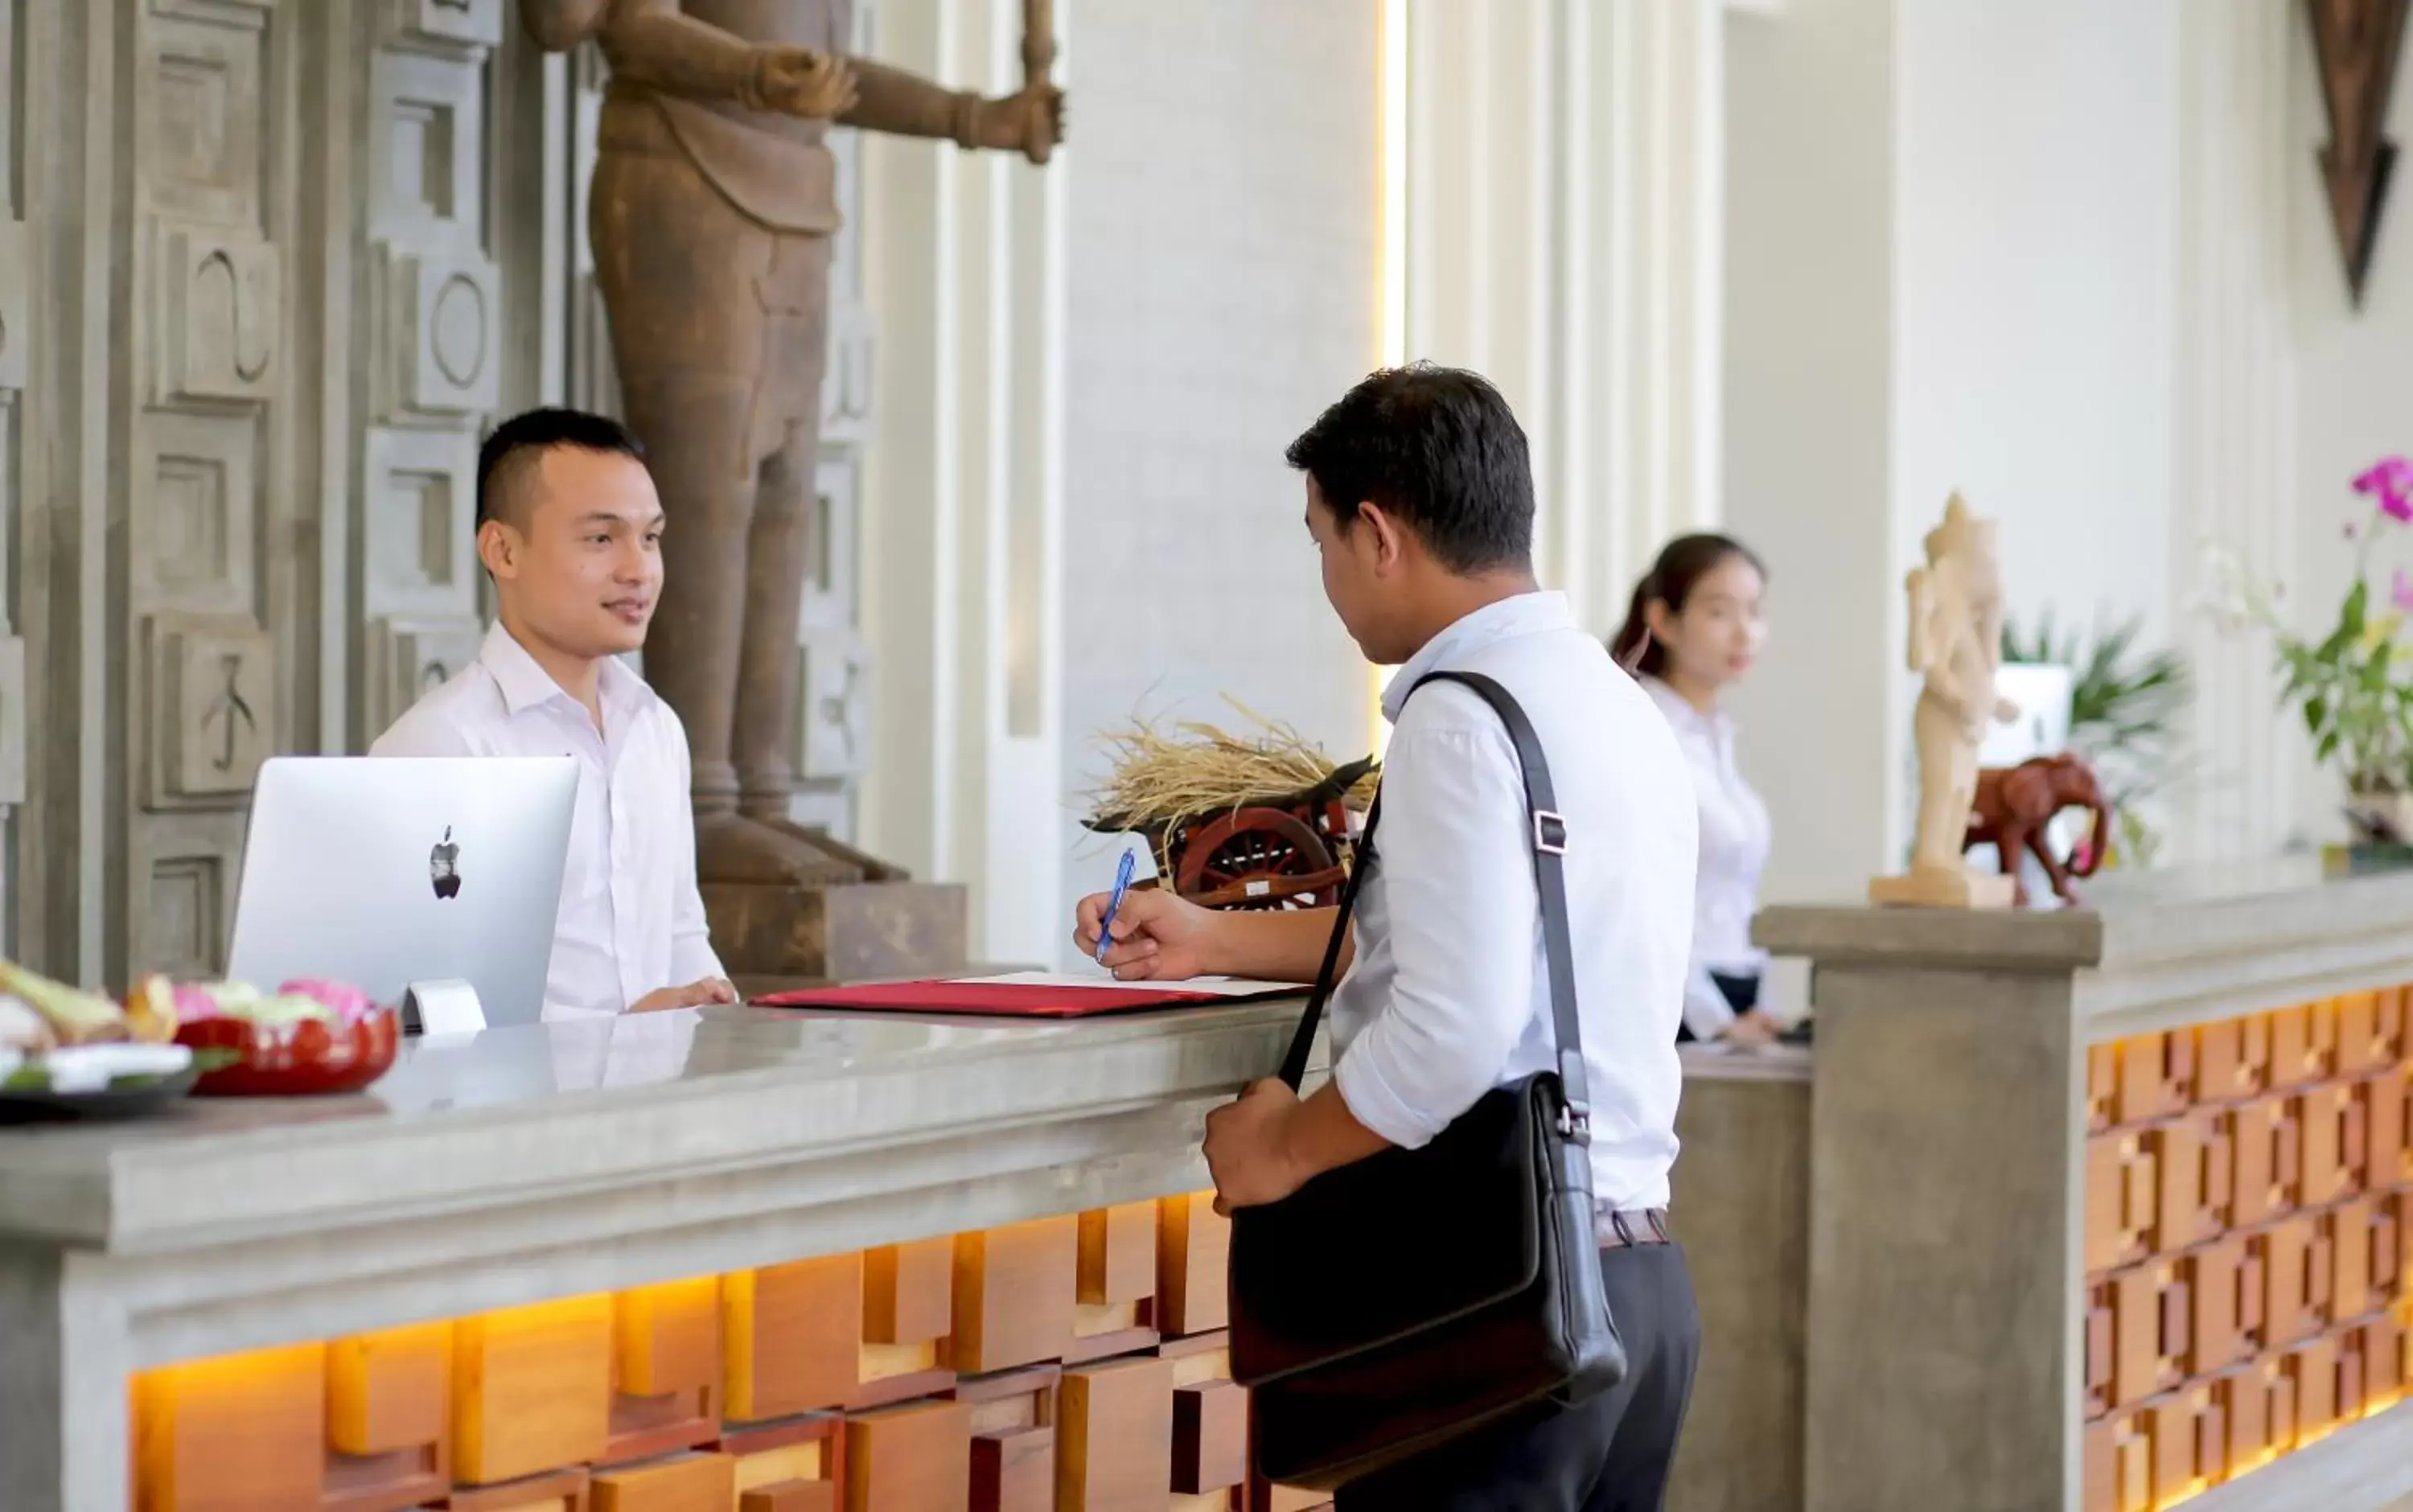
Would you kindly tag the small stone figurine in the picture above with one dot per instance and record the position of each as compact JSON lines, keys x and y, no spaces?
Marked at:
{"x":1956,"y":632}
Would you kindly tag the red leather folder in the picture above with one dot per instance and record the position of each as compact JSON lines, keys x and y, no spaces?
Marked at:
{"x":1008,"y":1000}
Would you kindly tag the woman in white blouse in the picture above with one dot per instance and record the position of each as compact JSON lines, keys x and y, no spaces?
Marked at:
{"x":1693,"y":630}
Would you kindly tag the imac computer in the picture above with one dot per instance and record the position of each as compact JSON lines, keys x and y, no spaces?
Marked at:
{"x":408,"y":876}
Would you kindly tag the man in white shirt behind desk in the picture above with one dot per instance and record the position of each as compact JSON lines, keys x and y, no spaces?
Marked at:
{"x":570,"y":529}
{"x":1420,"y":504}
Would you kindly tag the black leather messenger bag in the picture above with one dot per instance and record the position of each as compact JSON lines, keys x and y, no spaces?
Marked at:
{"x":1391,"y":1304}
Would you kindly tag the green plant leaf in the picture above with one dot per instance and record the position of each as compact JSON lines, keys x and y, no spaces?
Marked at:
{"x":2316,"y":713}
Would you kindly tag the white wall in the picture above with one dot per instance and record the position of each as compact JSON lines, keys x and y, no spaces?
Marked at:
{"x":2354,"y":374}
{"x":2035,"y":200}
{"x":1807,"y":424}
{"x":1221,"y":289}
{"x":1949,"y":265}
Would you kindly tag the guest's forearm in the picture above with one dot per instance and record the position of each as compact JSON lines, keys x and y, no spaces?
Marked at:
{"x":1322,"y":1134}
{"x":1276,"y":946}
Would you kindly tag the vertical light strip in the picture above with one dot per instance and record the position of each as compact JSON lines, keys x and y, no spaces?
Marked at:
{"x":1390,"y":255}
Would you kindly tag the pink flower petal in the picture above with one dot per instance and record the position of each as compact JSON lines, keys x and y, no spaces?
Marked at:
{"x":2400,"y":590}
{"x":2387,"y":474}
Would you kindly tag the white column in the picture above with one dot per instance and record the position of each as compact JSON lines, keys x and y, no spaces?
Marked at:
{"x":963,"y":492}
{"x":1565,"y":183}
{"x":2235,"y":414}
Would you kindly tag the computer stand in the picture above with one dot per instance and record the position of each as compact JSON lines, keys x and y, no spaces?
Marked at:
{"x":444,"y":1006}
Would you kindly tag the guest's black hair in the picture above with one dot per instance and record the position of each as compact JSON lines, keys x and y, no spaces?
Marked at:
{"x":1438,"y":449}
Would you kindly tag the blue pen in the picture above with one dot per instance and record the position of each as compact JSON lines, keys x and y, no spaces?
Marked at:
{"x":1114,"y":901}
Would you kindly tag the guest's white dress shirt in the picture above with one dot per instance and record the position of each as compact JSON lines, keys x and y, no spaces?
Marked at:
{"x":1734,"y":850}
{"x":1448,"y":995}
{"x":632,"y":921}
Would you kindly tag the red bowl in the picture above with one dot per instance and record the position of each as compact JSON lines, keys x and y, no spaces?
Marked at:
{"x":294,"y":1060}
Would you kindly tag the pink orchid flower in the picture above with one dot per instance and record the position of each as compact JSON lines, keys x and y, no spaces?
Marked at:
{"x":2391,"y":480}
{"x":2400,"y":590}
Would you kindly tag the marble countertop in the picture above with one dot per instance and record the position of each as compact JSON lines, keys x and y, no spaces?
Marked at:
{"x":471,"y":1122}
{"x":2146,"y":948}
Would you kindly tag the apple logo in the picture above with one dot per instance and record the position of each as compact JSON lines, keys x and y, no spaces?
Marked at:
{"x":443,"y":865}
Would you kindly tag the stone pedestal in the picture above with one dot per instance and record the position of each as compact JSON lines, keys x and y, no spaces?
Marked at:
{"x":848,"y":932}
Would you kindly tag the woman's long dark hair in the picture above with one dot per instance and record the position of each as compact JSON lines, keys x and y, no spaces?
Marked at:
{"x":1681,"y":565}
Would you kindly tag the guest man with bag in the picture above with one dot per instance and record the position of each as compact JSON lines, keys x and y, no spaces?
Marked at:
{"x":1420,"y":503}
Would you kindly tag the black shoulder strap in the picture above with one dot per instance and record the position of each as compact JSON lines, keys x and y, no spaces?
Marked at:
{"x":1546,"y":833}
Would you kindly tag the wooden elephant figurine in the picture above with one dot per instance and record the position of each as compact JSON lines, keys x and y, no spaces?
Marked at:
{"x":2014,"y":805}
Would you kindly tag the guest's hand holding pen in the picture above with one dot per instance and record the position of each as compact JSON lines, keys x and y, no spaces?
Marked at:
{"x":1156,"y":936}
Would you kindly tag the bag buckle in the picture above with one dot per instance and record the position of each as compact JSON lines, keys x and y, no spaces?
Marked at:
{"x":1575,"y":1122}
{"x":1549,"y":832}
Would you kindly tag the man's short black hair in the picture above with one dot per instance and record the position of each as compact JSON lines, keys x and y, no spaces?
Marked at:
{"x":1438,"y":449}
{"x":508,"y":459}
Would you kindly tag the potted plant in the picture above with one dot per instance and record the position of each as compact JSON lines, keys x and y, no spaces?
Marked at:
{"x":2351,"y":687}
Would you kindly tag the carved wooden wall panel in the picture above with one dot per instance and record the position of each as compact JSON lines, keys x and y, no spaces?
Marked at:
{"x":1027,"y":1368}
{"x":2248,"y":1280}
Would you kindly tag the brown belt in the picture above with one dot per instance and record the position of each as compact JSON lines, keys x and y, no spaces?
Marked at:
{"x":1635,"y":1226}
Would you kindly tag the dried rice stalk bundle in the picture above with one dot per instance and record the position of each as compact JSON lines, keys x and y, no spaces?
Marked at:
{"x":1162,"y":780}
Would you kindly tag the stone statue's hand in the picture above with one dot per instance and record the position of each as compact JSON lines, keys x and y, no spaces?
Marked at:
{"x":1031,"y":122}
{"x":795,"y":80}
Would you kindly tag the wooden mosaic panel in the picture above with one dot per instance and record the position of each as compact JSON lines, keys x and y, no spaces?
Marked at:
{"x":2248,"y":1281}
{"x":1062,"y":1365}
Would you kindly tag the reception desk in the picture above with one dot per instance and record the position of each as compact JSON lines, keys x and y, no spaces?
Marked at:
{"x":738,"y":1259}
{"x":2105,"y":1210}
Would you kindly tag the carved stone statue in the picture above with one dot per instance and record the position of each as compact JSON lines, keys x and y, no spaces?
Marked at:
{"x":712,"y":211}
{"x":1956,"y":638}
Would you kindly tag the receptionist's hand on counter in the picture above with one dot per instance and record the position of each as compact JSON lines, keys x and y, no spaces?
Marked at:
{"x":1753,"y":1028}
{"x":1159,"y":936}
{"x":695,"y":995}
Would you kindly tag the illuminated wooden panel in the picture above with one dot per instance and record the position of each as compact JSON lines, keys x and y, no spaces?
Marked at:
{"x":386,"y":1390}
{"x":234,"y":1434}
{"x":2101,"y":1349}
{"x":796,"y":1462}
{"x":2388,"y":1369}
{"x":2157,"y":1076}
{"x":2150,"y":1320}
{"x":2312,"y":1369}
{"x":665,"y":1369}
{"x":2099,"y":1468}
{"x":908,"y":1311}
{"x":2303,"y":1044}
{"x":790,"y":1496}
{"x":531,"y":1389}
{"x":1014,"y":1469}
{"x":1118,"y":1254}
{"x":2345,"y":1237}
{"x":908,"y":1292}
{"x":2370,"y":1031}
{"x":1015,"y":1292}
{"x":557,"y":1491}
{"x":1114,"y":1444}
{"x":1210,"y":1437}
{"x":793,"y":1337}
{"x":388,"y":1418}
{"x":2330,"y":1118}
{"x":2107,"y":1239}
{"x":2102,"y":1084}
{"x":2191,"y":1160}
{"x":916,"y":1458}
{"x":2190,"y":1444}
{"x":2232,"y":1059}
{"x":1192,"y":1249}
{"x":2295,"y":1289}
{"x":2268,"y":1160}
{"x":2392,"y":1235}
{"x":681,"y":1483}
{"x":2228,"y":1309}
{"x":2383,"y":1121}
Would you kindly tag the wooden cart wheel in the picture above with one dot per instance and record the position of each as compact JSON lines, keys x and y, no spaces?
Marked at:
{"x":1253,"y":858}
